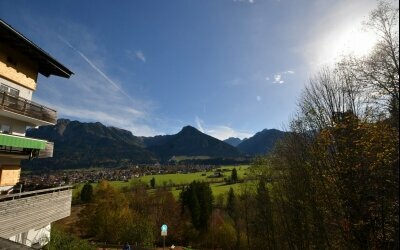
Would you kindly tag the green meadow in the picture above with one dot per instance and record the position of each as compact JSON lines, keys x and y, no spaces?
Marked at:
{"x":218,"y":185}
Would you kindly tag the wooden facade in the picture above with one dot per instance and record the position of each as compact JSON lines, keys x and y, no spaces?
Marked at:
{"x":9,"y":174}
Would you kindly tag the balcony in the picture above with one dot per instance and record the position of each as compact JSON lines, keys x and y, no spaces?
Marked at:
{"x":26,"y":110}
{"x":28,"y":210}
{"x":23,"y":147}
{"x":47,"y":152}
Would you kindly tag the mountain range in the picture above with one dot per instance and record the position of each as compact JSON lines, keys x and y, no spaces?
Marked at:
{"x":261,"y":143}
{"x":234,"y":141}
{"x":189,"y":142}
{"x":82,"y":145}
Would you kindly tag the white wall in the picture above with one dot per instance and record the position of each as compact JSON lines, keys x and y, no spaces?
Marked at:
{"x":17,"y":127}
{"x":23,"y":92}
{"x":39,"y":236}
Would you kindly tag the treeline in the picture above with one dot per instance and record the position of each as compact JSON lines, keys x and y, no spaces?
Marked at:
{"x":336,"y":176}
{"x":217,"y":161}
{"x":239,"y":220}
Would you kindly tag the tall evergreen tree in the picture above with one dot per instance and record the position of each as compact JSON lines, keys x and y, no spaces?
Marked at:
{"x":232,"y":209}
{"x":87,"y":193}
{"x":153,"y":182}
{"x":234,"y":176}
{"x":197,"y":197}
{"x":231,"y":204}
{"x":263,"y":223}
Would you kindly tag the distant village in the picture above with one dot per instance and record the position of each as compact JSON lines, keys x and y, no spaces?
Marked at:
{"x":72,"y":177}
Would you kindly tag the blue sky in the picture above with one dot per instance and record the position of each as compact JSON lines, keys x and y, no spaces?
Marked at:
{"x":227,"y":67}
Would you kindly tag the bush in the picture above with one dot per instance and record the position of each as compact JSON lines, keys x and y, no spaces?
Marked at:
{"x":60,"y":240}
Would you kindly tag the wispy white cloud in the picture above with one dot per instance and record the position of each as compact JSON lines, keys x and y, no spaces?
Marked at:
{"x":135,"y":55}
{"x":245,"y":1}
{"x":220,"y":132}
{"x":258,"y":98}
{"x":140,"y":55}
{"x":224,"y":132}
{"x":122,"y":117}
{"x":92,"y":93}
{"x":199,"y":123}
{"x":96,"y":68}
{"x":278,"y":79}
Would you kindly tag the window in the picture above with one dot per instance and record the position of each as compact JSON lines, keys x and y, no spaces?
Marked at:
{"x":5,"y":129}
{"x":3,"y":88}
{"x":9,"y":90}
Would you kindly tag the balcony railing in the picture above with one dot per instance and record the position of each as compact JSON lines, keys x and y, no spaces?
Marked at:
{"x":47,"y":152}
{"x":26,"y":107}
{"x":14,"y":196}
{"x":35,"y":209}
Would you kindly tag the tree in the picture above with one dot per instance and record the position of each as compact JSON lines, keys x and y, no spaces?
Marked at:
{"x":87,"y":193}
{"x":232,"y":209}
{"x":60,"y":240}
{"x":360,"y":180}
{"x":225,"y":236}
{"x":263,"y":220}
{"x":153,"y":182}
{"x":378,"y":72}
{"x":197,"y":197}
{"x":234,"y":176}
{"x":164,"y":209}
{"x":115,"y":216}
{"x":246,"y":201}
{"x":231,"y":204}
{"x":335,"y":176}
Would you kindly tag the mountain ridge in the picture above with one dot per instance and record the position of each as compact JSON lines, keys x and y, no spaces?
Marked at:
{"x":262,"y":142}
{"x":190,"y":142}
{"x":234,"y":141}
{"x":80,"y":145}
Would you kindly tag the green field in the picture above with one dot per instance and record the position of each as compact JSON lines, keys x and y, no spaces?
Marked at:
{"x":217,"y":189}
{"x":162,"y":179}
{"x":179,"y":179}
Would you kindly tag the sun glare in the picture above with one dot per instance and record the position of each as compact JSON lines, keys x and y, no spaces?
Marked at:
{"x":356,"y":41}
{"x":339,"y":42}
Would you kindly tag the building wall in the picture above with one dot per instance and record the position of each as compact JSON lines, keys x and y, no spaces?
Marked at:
{"x":23,"y":91}
{"x":16,"y":127}
{"x":17,"y":68}
{"x":39,"y":236}
{"x":9,"y":174}
{"x":10,"y":171}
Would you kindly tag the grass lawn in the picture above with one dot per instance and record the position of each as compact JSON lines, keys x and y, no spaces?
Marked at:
{"x":217,"y":189}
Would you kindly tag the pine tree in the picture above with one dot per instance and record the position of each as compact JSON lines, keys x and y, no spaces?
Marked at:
{"x":153,"y":182}
{"x":87,"y":193}
{"x":234,"y":176}
{"x":198,"y":199}
{"x":264,"y":225}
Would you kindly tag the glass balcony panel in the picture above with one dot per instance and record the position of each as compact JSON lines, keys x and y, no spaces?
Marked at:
{"x":26,"y":107}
